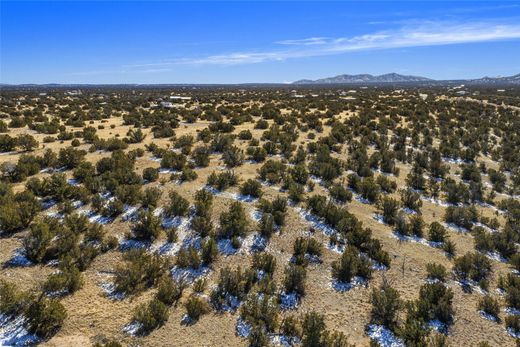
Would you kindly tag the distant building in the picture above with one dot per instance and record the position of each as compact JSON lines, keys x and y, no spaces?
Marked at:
{"x":180,"y":98}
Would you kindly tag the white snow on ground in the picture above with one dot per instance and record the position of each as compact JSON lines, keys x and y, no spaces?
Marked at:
{"x":46,"y":204}
{"x":438,"y":326}
{"x":497,"y":257}
{"x":256,"y":215}
{"x":73,"y":182}
{"x":514,"y":334}
{"x":108,"y":286}
{"x":226,"y":248}
{"x":231,"y":303}
{"x":416,"y":239}
{"x":362,"y":200}
{"x":346,"y":286}
{"x":229,"y":195}
{"x":254,"y":243}
{"x":408,"y":211}
{"x":487,"y":316}
{"x":130,"y":213}
{"x":455,"y":227}
{"x":471,"y":286}
{"x":132,"y":328}
{"x":242,"y":328}
{"x":484,"y":226}
{"x":513,"y":311}
{"x":284,"y":340}
{"x":384,"y":336}
{"x":289,"y":301}
{"x":96,"y":218}
{"x":168,"y":171}
{"x":19,"y":259}
{"x":128,"y":244}
{"x":379,"y":218}
{"x":436,"y":201}
{"x":317,"y":180}
{"x":315,"y":222}
{"x":13,"y":332}
{"x":338,"y":248}
{"x":188,"y":274}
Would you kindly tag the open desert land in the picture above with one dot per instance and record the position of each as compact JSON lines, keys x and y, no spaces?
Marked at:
{"x":238,"y":216}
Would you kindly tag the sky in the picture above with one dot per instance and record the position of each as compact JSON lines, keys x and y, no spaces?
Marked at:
{"x":254,"y":42}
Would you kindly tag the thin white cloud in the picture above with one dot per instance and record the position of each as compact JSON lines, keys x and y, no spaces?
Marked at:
{"x":305,"y":42}
{"x":416,"y":35}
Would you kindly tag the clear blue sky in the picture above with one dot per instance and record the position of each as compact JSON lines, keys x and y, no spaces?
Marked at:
{"x":235,"y":42}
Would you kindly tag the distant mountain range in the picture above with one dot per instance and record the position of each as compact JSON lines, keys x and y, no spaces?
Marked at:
{"x":397,"y":78}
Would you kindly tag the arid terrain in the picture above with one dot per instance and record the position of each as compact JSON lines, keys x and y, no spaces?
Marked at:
{"x":237,"y":216}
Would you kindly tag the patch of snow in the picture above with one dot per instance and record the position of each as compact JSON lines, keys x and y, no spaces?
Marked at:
{"x":289,"y":301}
{"x":515,"y":334}
{"x":456,"y":228}
{"x":379,"y":218}
{"x":487,"y":316}
{"x":226,"y":248}
{"x":284,"y":340}
{"x":242,"y":328}
{"x":315,"y":222}
{"x":73,"y":182}
{"x":189,"y":275}
{"x":108,"y":286}
{"x":128,"y":244}
{"x":384,"y":336}
{"x":132,"y":328}
{"x":408,"y":211}
{"x":130,"y":213}
{"x":497,"y":257}
{"x":346,"y":286}
{"x":438,"y":326}
{"x":513,"y":311}
{"x":19,"y":259}
{"x":416,"y":239}
{"x":13,"y":332}
{"x":255,"y":215}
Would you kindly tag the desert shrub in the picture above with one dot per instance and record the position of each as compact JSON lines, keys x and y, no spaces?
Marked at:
{"x":245,"y":135}
{"x":233,"y":223}
{"x":387,"y":185}
{"x":435,"y":303}
{"x":385,"y":305}
{"x":416,"y":225}
{"x":232,"y":283}
{"x":233,"y":157}
{"x":276,"y":207}
{"x":305,"y":247}
{"x":141,"y":270}
{"x":314,"y":333}
{"x":369,"y":189}
{"x":261,"y":311}
{"x":12,"y":300}
{"x":188,"y":258}
{"x":489,"y":305}
{"x":202,"y":225}
{"x":251,"y":187}
{"x":172,"y":160}
{"x":45,"y":317}
{"x":461,"y":216}
{"x":264,"y":262}
{"x":169,"y":291}
{"x":222,"y":180}
{"x":150,"y":197}
{"x":150,"y":316}
{"x":196,"y":307}
{"x":437,"y":232}
{"x":128,"y":194}
{"x":150,"y":174}
{"x":256,"y":154}
{"x":147,"y":226}
{"x":178,"y":206}
{"x":389,"y":208}
{"x":266,"y":225}
{"x":472,"y":266}
{"x":203,"y":203}
{"x":411,"y":199}
{"x":449,"y":248}
{"x":38,"y":241}
{"x":436,"y":272}
{"x":340,"y":193}
{"x":294,"y":281}
{"x":68,"y":280}
{"x":272,"y":171}
{"x":351,"y":264}
{"x":200,"y":156}
{"x":209,"y":251}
